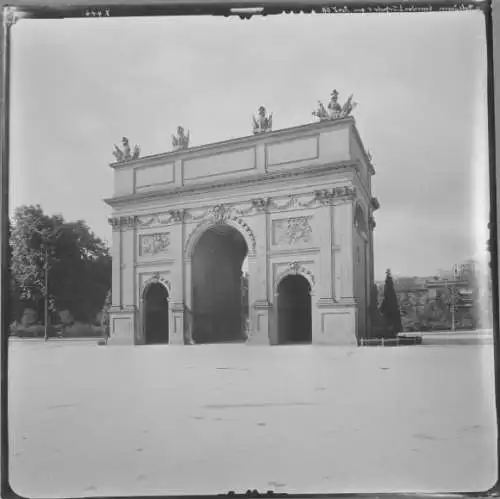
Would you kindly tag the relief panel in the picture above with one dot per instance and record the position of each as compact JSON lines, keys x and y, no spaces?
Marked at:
{"x":291,"y":231}
{"x":154,"y":244}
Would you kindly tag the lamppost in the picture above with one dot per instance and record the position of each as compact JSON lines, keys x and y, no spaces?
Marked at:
{"x":451,"y":286}
{"x":458,"y":279}
{"x":46,"y":282}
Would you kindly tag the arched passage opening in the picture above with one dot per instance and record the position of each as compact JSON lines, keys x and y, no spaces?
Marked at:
{"x":155,"y":314}
{"x":294,"y":310}
{"x":360,"y":220}
{"x":219,"y":298}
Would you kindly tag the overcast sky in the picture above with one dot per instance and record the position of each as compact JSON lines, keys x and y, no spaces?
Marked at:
{"x":420,"y":79}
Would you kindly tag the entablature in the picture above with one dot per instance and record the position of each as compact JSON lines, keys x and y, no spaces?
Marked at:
{"x":311,"y":199}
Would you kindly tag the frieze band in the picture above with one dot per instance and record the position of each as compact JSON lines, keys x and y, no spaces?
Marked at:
{"x":326,"y":196}
{"x":221,"y":212}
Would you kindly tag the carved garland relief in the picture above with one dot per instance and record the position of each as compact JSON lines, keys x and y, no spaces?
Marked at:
{"x":292,"y":231}
{"x":294,"y":268}
{"x":153,"y":244}
{"x":221,"y":212}
{"x":156,"y":277}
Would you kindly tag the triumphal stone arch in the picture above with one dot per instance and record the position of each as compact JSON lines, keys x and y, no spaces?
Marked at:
{"x":295,"y":204}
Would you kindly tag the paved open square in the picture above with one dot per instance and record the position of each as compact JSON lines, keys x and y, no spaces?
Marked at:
{"x":89,"y":420}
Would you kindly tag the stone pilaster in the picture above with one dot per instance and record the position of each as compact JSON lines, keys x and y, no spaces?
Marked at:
{"x":127,"y":267}
{"x":176,"y":300}
{"x":176,"y":323}
{"x":338,"y":312}
{"x":343,"y":241}
{"x":116,"y":299}
{"x":258,"y":267}
{"x":371,"y":269}
{"x":188,"y":282}
{"x":325,"y":289}
{"x":123,"y":314}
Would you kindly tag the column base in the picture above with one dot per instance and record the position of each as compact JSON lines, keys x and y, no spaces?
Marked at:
{"x":177,"y":333}
{"x":259,"y":325}
{"x":122,"y":326}
{"x":337,"y":323}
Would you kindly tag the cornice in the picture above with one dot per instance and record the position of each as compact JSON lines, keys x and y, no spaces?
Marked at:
{"x":363,"y":187}
{"x":363,"y":149}
{"x":309,"y":172}
{"x":237,"y":143}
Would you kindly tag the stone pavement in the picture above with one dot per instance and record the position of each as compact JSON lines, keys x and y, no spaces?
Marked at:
{"x":89,"y":420}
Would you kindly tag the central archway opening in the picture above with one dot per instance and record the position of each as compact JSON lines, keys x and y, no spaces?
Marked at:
{"x":294,"y":310}
{"x":156,"y":314}
{"x":219,"y":286}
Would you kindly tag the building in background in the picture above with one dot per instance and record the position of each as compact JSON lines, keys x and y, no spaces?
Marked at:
{"x":458,"y":298}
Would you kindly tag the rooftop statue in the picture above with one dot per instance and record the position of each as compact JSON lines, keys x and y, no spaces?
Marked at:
{"x":125,"y":155}
{"x":262,"y":123}
{"x":334,"y":110}
{"x":181,"y":141}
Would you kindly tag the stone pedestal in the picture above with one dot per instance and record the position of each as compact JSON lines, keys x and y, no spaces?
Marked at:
{"x":122,"y":326}
{"x":259,"y":333}
{"x":337,"y":323}
{"x":176,"y":326}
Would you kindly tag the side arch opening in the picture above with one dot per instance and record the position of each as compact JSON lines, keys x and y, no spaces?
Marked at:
{"x":294,"y":310}
{"x":156,"y":314}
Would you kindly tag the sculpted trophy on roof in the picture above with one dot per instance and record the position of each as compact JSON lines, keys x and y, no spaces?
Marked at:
{"x":262,"y":123}
{"x":181,"y":141}
{"x":334,"y":110}
{"x":125,"y":154}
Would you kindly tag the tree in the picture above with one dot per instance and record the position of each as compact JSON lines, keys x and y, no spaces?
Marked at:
{"x":374,"y":312}
{"x":390,"y":308}
{"x":79,"y":264}
{"x":31,"y":229}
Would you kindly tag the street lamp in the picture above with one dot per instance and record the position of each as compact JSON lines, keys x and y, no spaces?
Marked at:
{"x":46,"y":282}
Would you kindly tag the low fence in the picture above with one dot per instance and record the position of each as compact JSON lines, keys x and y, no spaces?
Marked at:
{"x":390,"y":342}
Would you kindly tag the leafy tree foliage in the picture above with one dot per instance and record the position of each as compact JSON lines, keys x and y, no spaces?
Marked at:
{"x":390,"y":308}
{"x":375,"y":318}
{"x":79,"y":264}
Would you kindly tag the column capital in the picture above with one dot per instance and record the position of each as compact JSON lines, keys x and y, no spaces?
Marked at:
{"x":122,"y":222}
{"x":335,"y":195}
{"x":114,"y":222}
